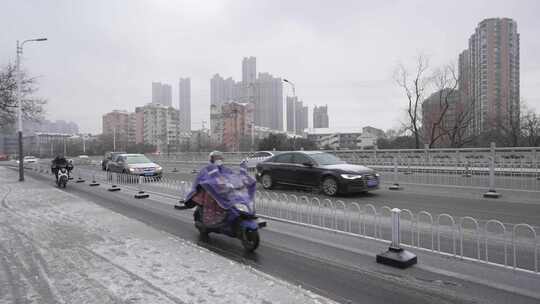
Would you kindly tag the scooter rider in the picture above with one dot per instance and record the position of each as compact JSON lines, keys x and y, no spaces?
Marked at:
{"x":58,"y":162}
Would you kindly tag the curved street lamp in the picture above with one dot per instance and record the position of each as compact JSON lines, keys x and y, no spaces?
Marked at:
{"x":19,"y":103}
{"x":294,"y":110}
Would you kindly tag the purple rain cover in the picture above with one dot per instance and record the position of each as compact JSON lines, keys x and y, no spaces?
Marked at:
{"x":225,"y":186}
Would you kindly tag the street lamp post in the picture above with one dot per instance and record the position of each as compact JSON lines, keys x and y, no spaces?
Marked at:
{"x":114,"y":138}
{"x":294,"y":110}
{"x":252,"y":136}
{"x":19,"y":104}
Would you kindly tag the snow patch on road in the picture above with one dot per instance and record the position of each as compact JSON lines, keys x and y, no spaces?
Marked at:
{"x":57,"y":248}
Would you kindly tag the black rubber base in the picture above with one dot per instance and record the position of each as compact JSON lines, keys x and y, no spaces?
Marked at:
{"x":492,"y":194}
{"x":114,"y":188}
{"x":80,"y":180}
{"x":141,"y":194}
{"x":398,"y":258}
{"x":94,"y":184}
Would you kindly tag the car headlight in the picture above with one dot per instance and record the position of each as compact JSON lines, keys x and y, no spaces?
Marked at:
{"x":159,"y":168}
{"x":351,"y":176}
{"x":131,"y":170}
{"x":377,"y":174}
{"x":241,"y":207}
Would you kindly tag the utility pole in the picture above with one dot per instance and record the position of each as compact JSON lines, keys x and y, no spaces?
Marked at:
{"x":114,"y":138}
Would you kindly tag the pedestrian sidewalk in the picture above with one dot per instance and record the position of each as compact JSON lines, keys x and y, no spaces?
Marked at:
{"x":58,"y":248}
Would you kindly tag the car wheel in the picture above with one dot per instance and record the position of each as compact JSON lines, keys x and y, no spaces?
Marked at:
{"x":329,"y":186}
{"x":266,"y":181}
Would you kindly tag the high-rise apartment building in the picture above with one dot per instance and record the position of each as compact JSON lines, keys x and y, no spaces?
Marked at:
{"x":223,"y":90}
{"x":489,"y":75}
{"x":161,"y":94}
{"x":166,"y":95}
{"x":320,"y":117}
{"x":249,"y":70}
{"x":265,"y":92}
{"x":297,"y":116}
{"x":156,"y":92}
{"x":184,"y":103}
{"x":268,"y":101}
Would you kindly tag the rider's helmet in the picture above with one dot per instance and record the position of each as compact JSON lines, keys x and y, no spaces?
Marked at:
{"x":214,"y":156}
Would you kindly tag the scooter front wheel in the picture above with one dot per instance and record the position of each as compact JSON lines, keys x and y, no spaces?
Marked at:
{"x":250,"y":240}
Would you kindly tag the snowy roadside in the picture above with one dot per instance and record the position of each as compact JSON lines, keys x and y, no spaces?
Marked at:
{"x":58,"y":248}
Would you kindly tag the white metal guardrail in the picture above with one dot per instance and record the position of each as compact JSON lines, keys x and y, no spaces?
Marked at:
{"x":514,"y":246}
{"x":509,"y":155}
{"x":510,"y":168}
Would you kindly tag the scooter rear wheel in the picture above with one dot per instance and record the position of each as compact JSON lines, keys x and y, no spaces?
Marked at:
{"x":250,"y":240}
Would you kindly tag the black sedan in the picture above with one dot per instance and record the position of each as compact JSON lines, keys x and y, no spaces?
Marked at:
{"x":314,"y":169}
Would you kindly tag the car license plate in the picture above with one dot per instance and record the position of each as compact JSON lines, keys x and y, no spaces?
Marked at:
{"x":372,"y":183}
{"x":148,"y":174}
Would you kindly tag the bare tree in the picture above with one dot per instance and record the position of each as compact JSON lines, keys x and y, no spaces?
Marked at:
{"x":32,"y":107}
{"x":507,"y":126}
{"x":414,"y":89}
{"x":445,"y":82}
{"x":458,"y":133}
{"x":530,"y":125}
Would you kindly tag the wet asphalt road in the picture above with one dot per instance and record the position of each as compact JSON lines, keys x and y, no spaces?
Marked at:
{"x":327,"y":270}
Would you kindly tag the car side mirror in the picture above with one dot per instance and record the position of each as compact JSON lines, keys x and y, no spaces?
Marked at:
{"x":308,"y":164}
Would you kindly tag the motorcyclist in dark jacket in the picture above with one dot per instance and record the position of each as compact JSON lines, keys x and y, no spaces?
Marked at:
{"x":59,"y":162}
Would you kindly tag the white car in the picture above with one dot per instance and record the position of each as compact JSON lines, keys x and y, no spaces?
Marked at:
{"x":257,"y":157}
{"x":29,"y":160}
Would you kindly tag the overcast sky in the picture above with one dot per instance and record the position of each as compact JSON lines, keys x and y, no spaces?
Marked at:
{"x":104,"y":54}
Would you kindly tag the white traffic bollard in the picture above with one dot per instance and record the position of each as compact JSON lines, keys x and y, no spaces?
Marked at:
{"x":79,"y":179}
{"x":111,"y":178}
{"x":141,"y":194}
{"x":396,"y":256}
{"x":94,"y":183}
{"x":492,"y":193}
{"x":395,"y":185}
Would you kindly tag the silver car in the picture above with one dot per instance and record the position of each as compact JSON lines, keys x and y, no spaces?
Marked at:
{"x":257,"y":157}
{"x":135,"y":164}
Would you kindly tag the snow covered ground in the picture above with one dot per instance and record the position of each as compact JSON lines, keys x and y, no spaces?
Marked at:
{"x":58,"y":248}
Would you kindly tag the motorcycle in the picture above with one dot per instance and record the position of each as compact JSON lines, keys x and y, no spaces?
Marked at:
{"x":234,"y":193}
{"x":63,"y":177}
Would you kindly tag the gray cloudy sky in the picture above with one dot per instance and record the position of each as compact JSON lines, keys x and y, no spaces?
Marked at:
{"x":104,"y":54}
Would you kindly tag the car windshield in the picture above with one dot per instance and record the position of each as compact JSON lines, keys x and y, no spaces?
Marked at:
{"x":326,"y":159}
{"x":137,"y":159}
